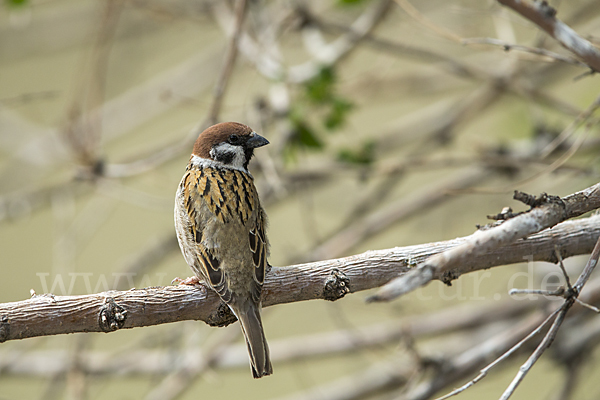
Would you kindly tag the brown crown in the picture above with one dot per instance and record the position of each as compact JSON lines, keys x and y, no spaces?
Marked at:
{"x":217,"y":134}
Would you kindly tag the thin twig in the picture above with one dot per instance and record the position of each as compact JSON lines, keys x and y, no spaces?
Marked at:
{"x":560,"y":314}
{"x":346,"y":239}
{"x":414,"y":13}
{"x":483,"y":373}
{"x":562,"y":267}
{"x":571,"y":128}
{"x":533,"y":50}
{"x":546,"y":342}
{"x":84,"y":129}
{"x":544,"y":16}
{"x":175,"y":384}
{"x":232,"y":51}
{"x":404,"y":50}
{"x":551,"y":335}
{"x":335,"y":51}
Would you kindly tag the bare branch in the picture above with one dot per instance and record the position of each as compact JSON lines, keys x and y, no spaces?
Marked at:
{"x":544,"y":16}
{"x":330,"y":280}
{"x":464,"y":359}
{"x":570,"y":295}
{"x":413,"y":12}
{"x":404,"y":50}
{"x":178,"y":382}
{"x":334,"y":52}
{"x":232,"y":51}
{"x":483,"y":373}
{"x":380,"y":220}
{"x":533,"y":50}
{"x":451,"y":264}
{"x":552,"y":332}
{"x":570,"y":129}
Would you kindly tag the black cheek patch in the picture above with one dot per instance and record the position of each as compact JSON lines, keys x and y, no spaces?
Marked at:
{"x":225,"y":157}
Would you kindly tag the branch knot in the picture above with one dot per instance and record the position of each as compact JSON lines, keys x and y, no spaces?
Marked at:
{"x":536,"y":201}
{"x":221,"y":317}
{"x":112,"y":316}
{"x":337,"y":285}
{"x":4,"y":328}
{"x":546,"y":9}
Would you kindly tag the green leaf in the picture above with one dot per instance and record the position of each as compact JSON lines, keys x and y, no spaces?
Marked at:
{"x":305,"y":137}
{"x":320,"y":88}
{"x":350,"y":2}
{"x":337,"y":115}
{"x":16,"y":3}
{"x":364,"y":155}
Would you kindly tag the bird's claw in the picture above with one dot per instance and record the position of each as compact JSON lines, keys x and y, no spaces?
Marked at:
{"x":192,"y":281}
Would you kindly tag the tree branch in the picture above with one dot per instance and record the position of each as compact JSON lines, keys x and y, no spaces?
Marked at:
{"x":330,"y":280}
{"x":545,"y":213}
{"x":544,"y":16}
{"x":570,"y":298}
{"x":232,"y":51}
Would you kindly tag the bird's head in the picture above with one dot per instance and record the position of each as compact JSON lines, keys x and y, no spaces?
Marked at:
{"x":229,"y":144}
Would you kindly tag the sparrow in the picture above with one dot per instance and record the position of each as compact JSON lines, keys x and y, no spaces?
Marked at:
{"x":221,"y":227}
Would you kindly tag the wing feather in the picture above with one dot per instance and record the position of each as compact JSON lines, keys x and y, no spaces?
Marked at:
{"x":258,"y":247}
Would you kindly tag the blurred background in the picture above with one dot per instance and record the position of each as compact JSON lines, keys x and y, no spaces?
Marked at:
{"x":389,"y":125}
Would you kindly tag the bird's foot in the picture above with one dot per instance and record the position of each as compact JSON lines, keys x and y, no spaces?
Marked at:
{"x":192,"y":281}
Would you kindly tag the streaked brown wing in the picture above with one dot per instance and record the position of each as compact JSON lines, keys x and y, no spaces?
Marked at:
{"x":246,"y":204}
{"x":212,"y":267}
{"x":258,"y":247}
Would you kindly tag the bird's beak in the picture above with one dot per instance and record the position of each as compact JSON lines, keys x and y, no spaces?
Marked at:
{"x":256,"y":141}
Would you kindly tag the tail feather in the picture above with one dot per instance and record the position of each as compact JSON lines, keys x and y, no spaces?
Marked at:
{"x":258,"y":349}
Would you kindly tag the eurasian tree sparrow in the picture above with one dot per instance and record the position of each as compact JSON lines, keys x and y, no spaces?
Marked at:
{"x":221,"y":228}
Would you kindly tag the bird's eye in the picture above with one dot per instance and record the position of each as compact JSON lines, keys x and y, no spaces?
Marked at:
{"x":234,"y":139}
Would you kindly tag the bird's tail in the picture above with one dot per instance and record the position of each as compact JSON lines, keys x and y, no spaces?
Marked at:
{"x":258,"y":349}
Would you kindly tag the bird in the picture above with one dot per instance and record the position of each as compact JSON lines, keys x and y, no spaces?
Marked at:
{"x":221,"y":228}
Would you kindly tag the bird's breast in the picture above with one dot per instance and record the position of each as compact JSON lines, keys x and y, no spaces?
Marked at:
{"x":228,"y":194}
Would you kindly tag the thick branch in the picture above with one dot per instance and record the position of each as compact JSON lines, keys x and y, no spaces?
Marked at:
{"x":331,"y":279}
